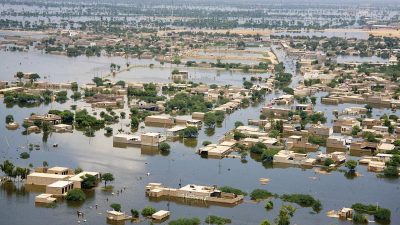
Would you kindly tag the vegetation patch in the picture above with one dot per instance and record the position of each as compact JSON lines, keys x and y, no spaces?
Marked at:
{"x":212,"y":219}
{"x":228,"y":189}
{"x":303,"y":200}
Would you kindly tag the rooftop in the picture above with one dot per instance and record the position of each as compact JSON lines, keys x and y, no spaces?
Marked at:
{"x":48,"y":175}
{"x":197,"y":188}
{"x":60,"y":184}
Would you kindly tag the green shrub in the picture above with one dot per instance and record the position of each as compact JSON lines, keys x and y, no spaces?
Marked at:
{"x":359,"y":218}
{"x":269,"y":205}
{"x":380,"y":214}
{"x":24,"y":155}
{"x":185,"y":221}
{"x":116,"y":207}
{"x":259,"y":194}
{"x":76,"y":195}
{"x":236,"y":191}
{"x":148,"y":211}
{"x":212,"y":219}
{"x":328,"y":162}
{"x":134,"y":213}
{"x":303,"y":200}
{"x":205,"y":143}
{"x":164,"y":146}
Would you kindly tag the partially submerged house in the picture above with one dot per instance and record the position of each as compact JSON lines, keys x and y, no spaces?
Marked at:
{"x":290,"y":157}
{"x":299,"y":142}
{"x":209,"y":194}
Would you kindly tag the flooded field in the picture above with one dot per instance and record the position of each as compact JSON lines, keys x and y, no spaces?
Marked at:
{"x":130,"y":166}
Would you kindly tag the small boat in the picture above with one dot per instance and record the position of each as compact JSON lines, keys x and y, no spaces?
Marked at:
{"x":55,"y":145}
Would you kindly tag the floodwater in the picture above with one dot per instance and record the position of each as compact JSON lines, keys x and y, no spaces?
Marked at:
{"x":82,"y":69}
{"x":182,"y":165}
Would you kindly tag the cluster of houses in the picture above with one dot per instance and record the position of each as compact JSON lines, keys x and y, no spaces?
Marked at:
{"x":57,"y":182}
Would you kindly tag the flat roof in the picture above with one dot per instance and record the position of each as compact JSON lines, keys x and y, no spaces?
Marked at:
{"x":161,"y":213}
{"x":49,"y":175}
{"x":151,"y":134}
{"x":59,"y":184}
{"x":197,"y":188}
{"x":58,"y":168}
{"x":176,"y":128}
{"x":78,"y":176}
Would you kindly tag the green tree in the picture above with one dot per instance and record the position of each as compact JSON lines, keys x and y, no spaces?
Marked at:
{"x":134,"y":213}
{"x":76,"y":195}
{"x":189,"y":132}
{"x":107,"y":177}
{"x":34,"y":77}
{"x":148,"y":211}
{"x":134,"y":123}
{"x":9,"y":119}
{"x":328,"y":162}
{"x":286,"y":212}
{"x":24,"y":155}
{"x":259,"y":194}
{"x":210,"y":120}
{"x":238,"y":124}
{"x":116,"y":207}
{"x":355,"y":130}
{"x":185,"y":221}
{"x":265,"y":222}
{"x":369,"y":108}
{"x":88,"y":181}
{"x":20,"y":75}
{"x":164,"y":146}
{"x":351,"y":165}
{"x":313,"y":100}
{"x":269,"y":205}
{"x":213,"y":219}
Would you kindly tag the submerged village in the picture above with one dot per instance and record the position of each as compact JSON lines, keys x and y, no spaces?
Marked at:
{"x":164,"y":120}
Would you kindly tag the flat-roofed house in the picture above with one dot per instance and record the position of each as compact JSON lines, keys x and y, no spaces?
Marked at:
{"x":345,"y":125}
{"x":320,"y":130}
{"x":59,"y":188}
{"x":299,"y":142}
{"x":60,"y":170}
{"x":369,"y":122}
{"x":78,"y":178}
{"x":161,"y":120}
{"x":336,"y":143}
{"x":44,"y":178}
{"x":152,"y":139}
{"x":127,"y":139}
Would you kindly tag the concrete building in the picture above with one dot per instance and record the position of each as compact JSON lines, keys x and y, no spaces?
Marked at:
{"x":161,"y":215}
{"x":116,"y":216}
{"x":60,"y":170}
{"x":159,"y":120}
{"x":336,"y":143}
{"x":45,"y":198}
{"x":369,"y":122}
{"x":205,"y":193}
{"x":152,"y":139}
{"x":290,"y":157}
{"x":47,"y":118}
{"x":61,"y":128}
{"x":174,"y":131}
{"x":59,"y":188}
{"x":44,"y":179}
{"x":299,"y":142}
{"x":179,"y":76}
{"x":345,"y":125}
{"x":320,"y":130}
{"x":127,"y":139}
